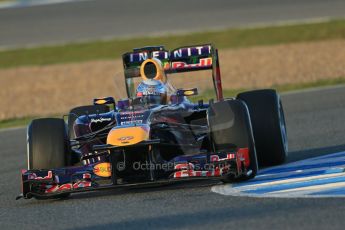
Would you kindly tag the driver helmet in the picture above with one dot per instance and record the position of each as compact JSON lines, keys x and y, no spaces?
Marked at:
{"x":152,"y":92}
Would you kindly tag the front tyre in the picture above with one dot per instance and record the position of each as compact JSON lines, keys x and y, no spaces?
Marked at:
{"x":269,"y":128}
{"x":48,"y":145}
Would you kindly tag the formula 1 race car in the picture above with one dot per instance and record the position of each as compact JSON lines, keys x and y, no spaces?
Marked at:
{"x":158,"y":134}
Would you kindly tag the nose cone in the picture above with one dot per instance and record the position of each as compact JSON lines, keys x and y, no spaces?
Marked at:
{"x":127,"y":136}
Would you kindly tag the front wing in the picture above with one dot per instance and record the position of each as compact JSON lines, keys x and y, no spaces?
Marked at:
{"x":50,"y":183}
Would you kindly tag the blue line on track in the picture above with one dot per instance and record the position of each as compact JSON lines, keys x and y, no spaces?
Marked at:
{"x":286,"y":177}
{"x":304,"y":171}
{"x":292,"y":185}
{"x":335,"y":191}
{"x":305,"y":167}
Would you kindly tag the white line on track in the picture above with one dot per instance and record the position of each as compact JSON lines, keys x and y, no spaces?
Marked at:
{"x":294,"y":180}
{"x":311,"y":188}
{"x":322,"y":176}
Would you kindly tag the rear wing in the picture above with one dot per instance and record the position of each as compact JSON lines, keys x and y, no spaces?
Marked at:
{"x":182,"y":59}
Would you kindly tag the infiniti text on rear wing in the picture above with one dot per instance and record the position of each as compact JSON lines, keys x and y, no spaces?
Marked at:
{"x":183,"y":59}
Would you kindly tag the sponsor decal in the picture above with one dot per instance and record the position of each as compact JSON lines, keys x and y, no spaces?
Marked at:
{"x":124,"y":139}
{"x":243,"y":155}
{"x":150,"y":90}
{"x":138,"y":133}
{"x":67,"y":187}
{"x":33,"y":176}
{"x":140,"y":57}
{"x":191,"y":51}
{"x":100,"y":102}
{"x":191,"y":173}
{"x":102,"y":169}
{"x":132,"y":113}
{"x":100,"y":120}
{"x":86,"y":176}
{"x":175,"y":54}
{"x":188,"y":92}
{"x":131,"y":118}
{"x":215,"y":158}
{"x":131,"y":122}
{"x":190,"y":170}
{"x":204,"y":62}
{"x":183,"y":166}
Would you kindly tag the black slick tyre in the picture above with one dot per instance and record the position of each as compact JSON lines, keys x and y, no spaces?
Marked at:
{"x":47,"y":144}
{"x":269,"y":128}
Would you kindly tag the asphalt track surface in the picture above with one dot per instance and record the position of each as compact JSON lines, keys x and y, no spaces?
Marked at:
{"x":103,"y":19}
{"x":316,"y":126}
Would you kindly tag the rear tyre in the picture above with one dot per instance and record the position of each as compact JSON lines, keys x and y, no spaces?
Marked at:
{"x":269,"y":128}
{"x":230,"y":128}
{"x":48,"y":145}
{"x":83,"y":110}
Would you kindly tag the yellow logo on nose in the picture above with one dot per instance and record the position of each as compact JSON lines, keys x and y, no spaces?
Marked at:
{"x":123,"y":139}
{"x":102,"y":169}
{"x":127,"y":136}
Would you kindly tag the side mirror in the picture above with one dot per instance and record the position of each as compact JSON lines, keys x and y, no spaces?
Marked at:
{"x":105,"y":101}
{"x":187,"y":92}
